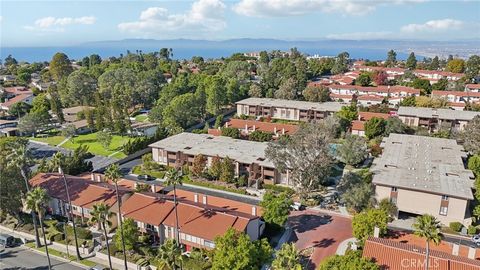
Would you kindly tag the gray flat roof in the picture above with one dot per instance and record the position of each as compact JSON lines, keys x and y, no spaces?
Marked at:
{"x":427,"y":164}
{"x":193,"y":144}
{"x":297,"y":104}
{"x":447,"y":114}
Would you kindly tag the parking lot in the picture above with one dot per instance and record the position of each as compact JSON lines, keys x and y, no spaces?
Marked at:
{"x":320,"y":230}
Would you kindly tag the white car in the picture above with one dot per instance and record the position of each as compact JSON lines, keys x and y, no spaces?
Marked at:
{"x":476,"y":239}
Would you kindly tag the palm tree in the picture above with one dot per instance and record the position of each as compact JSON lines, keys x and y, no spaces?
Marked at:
{"x":100,"y":214}
{"x":37,"y":200}
{"x":21,"y":157}
{"x":168,"y":254}
{"x":113,"y":174}
{"x":173,"y":177}
{"x":287,"y":257}
{"x":428,"y":227}
{"x":56,"y":159}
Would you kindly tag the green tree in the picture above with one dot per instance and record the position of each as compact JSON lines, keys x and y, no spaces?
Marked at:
{"x":389,"y":207}
{"x":391,"y":59}
{"x":215,"y":167}
{"x":32,"y":122}
{"x":471,"y":136}
{"x":255,"y":90}
{"x":216,"y":94}
{"x":287,"y":258}
{"x":104,"y":138}
{"x":37,"y":201}
{"x":287,"y":90}
{"x":316,"y":94}
{"x":422,"y":84}
{"x":169,"y":255}
{"x":428,"y":227}
{"x":60,"y":66}
{"x":341,"y":63}
{"x":230,"y":132}
{"x":435,"y":64}
{"x":235,"y":251}
{"x":260,"y":136}
{"x":19,"y":109}
{"x":41,"y":104}
{"x":227,"y":172}
{"x":69,"y":132}
{"x":363,"y":79}
{"x":472,"y":67}
{"x":20,"y":156}
{"x":182,"y":111}
{"x":23,"y":78}
{"x":173,"y":177}
{"x":408,"y":101}
{"x":374,"y":127}
{"x":411,"y":61}
{"x":113,"y":174}
{"x":356,"y":191}
{"x":394,"y":125}
{"x":474,"y":164}
{"x":100,"y":215}
{"x":218,"y":121}
{"x":352,"y":260}
{"x":353,"y":150}
{"x":456,"y":65}
{"x":81,"y":87}
{"x":130,"y":234}
{"x":276,"y":208}
{"x":364,"y":223}
{"x":348,"y":113}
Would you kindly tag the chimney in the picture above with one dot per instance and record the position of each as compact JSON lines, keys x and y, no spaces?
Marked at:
{"x":92,"y":176}
{"x":254,"y":128}
{"x":472,"y":252}
{"x":254,"y":211}
{"x":274,"y":130}
{"x":153,"y":188}
{"x":455,"y":249}
{"x":283,"y":131}
{"x":204,"y":199}
{"x":226,"y":124}
{"x":376,"y":232}
{"x":246,"y":128}
{"x":195,"y":197}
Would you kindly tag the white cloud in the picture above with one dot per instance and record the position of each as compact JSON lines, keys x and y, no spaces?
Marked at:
{"x":281,"y":8}
{"x":361,"y":35}
{"x":203,"y":16}
{"x":52,"y":24}
{"x":433,"y":26}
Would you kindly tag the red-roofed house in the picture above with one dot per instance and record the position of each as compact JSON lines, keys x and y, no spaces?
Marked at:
{"x":83,"y":194}
{"x":458,"y":99}
{"x":392,"y":255}
{"x":358,"y":126}
{"x":371,"y":95}
{"x":248,"y":126}
{"x":472,"y":87}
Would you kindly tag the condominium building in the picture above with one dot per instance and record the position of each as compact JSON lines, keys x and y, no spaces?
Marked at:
{"x":424,"y":175}
{"x":248,"y":156}
{"x":434,"y":119}
{"x":293,"y":110}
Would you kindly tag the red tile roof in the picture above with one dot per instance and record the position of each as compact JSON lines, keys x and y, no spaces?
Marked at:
{"x":17,"y":90}
{"x":148,"y":209}
{"x":380,"y":88}
{"x":393,"y":255}
{"x":365,"y":116}
{"x":456,"y":93}
{"x":83,"y":193}
{"x":17,"y":98}
{"x":472,"y":86}
{"x":358,"y":125}
{"x":370,"y":97}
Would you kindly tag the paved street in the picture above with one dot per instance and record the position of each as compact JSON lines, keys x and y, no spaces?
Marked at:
{"x":23,"y":258}
{"x":322,"y":231}
{"x":41,"y":150}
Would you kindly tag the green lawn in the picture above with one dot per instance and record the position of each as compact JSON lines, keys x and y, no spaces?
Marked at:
{"x":91,"y":141}
{"x":141,"y":118}
{"x":57,"y":253}
{"x":52,"y":140}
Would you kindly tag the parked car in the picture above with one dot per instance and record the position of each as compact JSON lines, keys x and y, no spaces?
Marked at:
{"x":476,"y":239}
{"x":98,"y":267}
{"x":146,"y":177}
{"x":7,"y":240}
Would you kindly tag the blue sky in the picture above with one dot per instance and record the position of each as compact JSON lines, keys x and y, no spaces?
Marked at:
{"x":59,"y":23}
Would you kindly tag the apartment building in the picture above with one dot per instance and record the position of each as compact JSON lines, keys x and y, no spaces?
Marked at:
{"x":246,"y":127}
{"x":293,"y":110}
{"x":372,"y":95}
{"x":458,"y":99}
{"x":84,"y":193}
{"x":433,"y":119}
{"x":248,"y":156}
{"x":424,"y":175}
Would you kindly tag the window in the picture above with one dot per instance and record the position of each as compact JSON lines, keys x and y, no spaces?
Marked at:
{"x":443,"y":210}
{"x":444,"y":198}
{"x":194,"y":239}
{"x":209,"y":244}
{"x":393,"y":200}
{"x":394,"y":189}
{"x":188,"y":237}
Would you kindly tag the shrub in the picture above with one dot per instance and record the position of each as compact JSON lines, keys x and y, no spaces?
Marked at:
{"x":279,"y":188}
{"x":472,"y":230}
{"x":242,"y":181}
{"x":231,"y":132}
{"x":82,"y":233}
{"x":28,"y":227}
{"x":456,"y":226}
{"x":58,"y":237}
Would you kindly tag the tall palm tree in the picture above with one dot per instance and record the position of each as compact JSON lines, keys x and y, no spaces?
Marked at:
{"x":168,"y":254}
{"x":100,"y":215}
{"x":37,"y":200}
{"x":67,"y":192}
{"x":113,"y":174}
{"x":428,"y":227}
{"x":173,"y":177}
{"x":21,"y":157}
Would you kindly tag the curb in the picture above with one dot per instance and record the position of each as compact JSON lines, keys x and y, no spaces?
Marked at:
{"x":57,"y":257}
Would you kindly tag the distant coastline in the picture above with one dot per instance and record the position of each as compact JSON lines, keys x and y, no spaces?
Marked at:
{"x":185,"y":49}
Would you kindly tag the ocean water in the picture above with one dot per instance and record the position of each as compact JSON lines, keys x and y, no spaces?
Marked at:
{"x":39,"y":54}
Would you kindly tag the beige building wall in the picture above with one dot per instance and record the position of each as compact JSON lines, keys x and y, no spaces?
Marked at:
{"x":409,"y":120}
{"x":420,"y":203}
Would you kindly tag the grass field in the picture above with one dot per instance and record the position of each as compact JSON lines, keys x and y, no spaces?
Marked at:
{"x":90,"y":140}
{"x":141,"y":118}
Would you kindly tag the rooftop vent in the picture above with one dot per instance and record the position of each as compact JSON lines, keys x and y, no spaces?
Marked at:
{"x":187,"y":148}
{"x":209,"y":138}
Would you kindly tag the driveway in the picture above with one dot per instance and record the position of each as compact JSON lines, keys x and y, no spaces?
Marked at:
{"x":320,"y":230}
